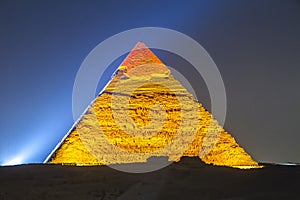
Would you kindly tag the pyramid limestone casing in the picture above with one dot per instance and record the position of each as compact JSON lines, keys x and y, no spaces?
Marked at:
{"x":87,"y":138}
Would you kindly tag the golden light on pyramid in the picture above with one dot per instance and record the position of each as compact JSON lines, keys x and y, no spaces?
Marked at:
{"x":144,"y":112}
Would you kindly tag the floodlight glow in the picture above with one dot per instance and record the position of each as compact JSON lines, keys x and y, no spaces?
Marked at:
{"x":15,"y":161}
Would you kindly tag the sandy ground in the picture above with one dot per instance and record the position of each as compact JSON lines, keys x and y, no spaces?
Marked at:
{"x":188,"y":179}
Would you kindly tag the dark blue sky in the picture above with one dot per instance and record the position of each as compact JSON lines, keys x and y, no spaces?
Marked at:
{"x":255,"y":44}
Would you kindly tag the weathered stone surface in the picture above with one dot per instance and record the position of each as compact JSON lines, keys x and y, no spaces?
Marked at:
{"x":148,"y":130}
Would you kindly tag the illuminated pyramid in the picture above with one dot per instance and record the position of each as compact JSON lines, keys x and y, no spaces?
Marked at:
{"x":102,"y":136}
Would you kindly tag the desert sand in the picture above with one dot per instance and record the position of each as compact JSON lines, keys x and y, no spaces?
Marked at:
{"x":188,"y":179}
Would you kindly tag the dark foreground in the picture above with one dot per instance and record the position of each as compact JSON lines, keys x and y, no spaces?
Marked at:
{"x":188,"y":179}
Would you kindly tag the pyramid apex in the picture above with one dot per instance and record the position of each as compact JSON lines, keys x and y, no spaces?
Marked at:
{"x":140,"y":45}
{"x":140,"y":55}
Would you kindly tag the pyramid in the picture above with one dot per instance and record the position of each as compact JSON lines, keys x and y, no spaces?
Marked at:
{"x":104,"y":136}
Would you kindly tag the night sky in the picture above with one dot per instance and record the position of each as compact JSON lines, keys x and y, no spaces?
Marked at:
{"x":255,"y":44}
